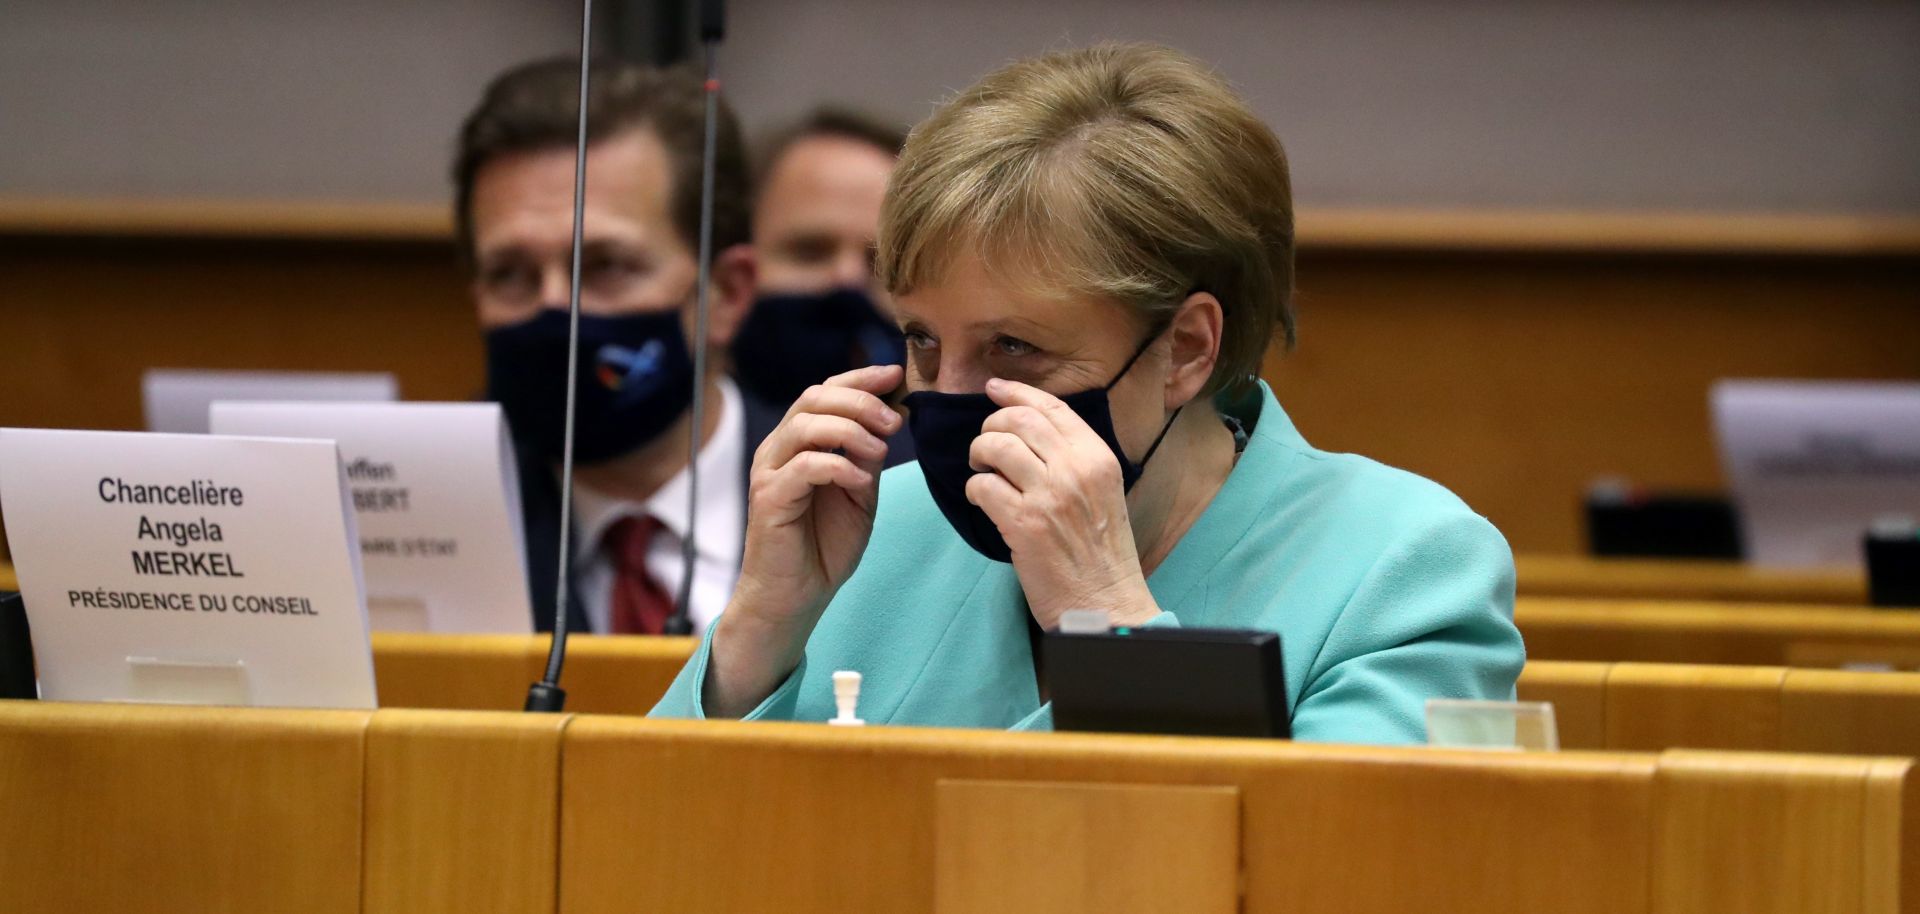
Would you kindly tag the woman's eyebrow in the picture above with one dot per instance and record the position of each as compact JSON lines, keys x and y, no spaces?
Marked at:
{"x":1016,"y":325}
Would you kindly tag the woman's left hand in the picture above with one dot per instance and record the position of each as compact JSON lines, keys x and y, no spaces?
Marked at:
{"x":1054,"y":490}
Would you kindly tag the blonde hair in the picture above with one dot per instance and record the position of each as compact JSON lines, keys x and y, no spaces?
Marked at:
{"x":1125,"y":172}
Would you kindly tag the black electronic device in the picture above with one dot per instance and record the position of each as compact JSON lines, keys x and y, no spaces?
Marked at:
{"x":1624,"y":521}
{"x":1191,"y":681}
{"x":1893,"y":565}
{"x":16,"y":650}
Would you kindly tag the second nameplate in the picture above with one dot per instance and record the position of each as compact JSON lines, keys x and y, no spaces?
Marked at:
{"x":438,"y":505}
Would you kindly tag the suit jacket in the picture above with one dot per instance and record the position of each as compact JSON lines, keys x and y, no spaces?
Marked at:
{"x":540,"y":509}
{"x":1385,"y":588}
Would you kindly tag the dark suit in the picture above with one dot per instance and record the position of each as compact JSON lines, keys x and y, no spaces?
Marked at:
{"x":540,"y":508}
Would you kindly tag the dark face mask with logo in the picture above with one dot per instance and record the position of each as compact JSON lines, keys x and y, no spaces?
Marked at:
{"x":789,"y":342}
{"x":635,"y":380}
{"x":944,"y":426}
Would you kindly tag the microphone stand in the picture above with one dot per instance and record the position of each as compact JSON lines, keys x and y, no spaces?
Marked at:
{"x":546,"y":695}
{"x":712,"y":30}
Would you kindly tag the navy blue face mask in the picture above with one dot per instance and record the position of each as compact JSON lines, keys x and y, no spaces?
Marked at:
{"x":944,"y":426}
{"x":635,"y":380}
{"x":789,"y":342}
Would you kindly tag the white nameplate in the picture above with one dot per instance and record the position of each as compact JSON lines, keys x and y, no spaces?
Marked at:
{"x":187,"y":568}
{"x":1814,"y":464}
{"x":176,"y":400}
{"x":438,"y":501}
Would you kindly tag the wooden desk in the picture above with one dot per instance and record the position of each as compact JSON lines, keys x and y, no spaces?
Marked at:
{"x":875,"y":820}
{"x":1661,"y":579}
{"x":8,"y":581}
{"x":1656,"y":706}
{"x":1706,"y":632}
{"x":145,"y":808}
{"x":171,"y":809}
{"x":604,"y":674}
{"x":1599,"y":705}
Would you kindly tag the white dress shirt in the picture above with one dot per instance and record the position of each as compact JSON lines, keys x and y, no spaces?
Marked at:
{"x":721,"y":525}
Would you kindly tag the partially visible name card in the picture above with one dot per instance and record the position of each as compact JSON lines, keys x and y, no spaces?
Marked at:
{"x":1814,"y":463}
{"x":176,"y":399}
{"x":187,"y":568}
{"x":438,"y":501}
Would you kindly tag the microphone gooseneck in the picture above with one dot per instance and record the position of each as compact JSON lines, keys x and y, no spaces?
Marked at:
{"x":712,"y":30}
{"x":546,"y":695}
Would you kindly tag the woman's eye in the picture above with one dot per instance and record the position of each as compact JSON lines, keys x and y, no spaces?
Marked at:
{"x":1010,"y":346}
{"x":921,"y":341}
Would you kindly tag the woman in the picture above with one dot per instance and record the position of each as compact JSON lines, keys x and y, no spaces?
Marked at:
{"x":1090,"y":253}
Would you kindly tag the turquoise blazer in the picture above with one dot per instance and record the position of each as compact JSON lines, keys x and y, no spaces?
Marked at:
{"x":1385,"y":588}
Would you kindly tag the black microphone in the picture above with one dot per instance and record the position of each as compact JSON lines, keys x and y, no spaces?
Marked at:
{"x":713,"y":27}
{"x":546,"y":695}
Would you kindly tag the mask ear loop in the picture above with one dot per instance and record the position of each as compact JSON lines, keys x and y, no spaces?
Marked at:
{"x":1137,"y":353}
{"x":1168,"y":426}
{"x":1164,"y":429}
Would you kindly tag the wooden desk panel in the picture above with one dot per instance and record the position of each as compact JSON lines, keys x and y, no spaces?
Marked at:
{"x":1842,"y":711}
{"x":1651,"y":707}
{"x":604,"y":674}
{"x":456,"y":672}
{"x":8,"y":581}
{"x":1640,"y":706}
{"x":1771,"y":834}
{"x":145,"y":808}
{"x":462,"y":812}
{"x":1674,"y":579}
{"x":1578,"y":692}
{"x":1027,"y":847}
{"x":802,"y":818}
{"x":1722,"y":633}
{"x":142,"y":808}
{"x":621,"y":674}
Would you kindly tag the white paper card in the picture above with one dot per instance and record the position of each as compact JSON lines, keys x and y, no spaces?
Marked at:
{"x":438,"y":502}
{"x":176,"y":400}
{"x":1814,"y":463}
{"x":187,"y":568}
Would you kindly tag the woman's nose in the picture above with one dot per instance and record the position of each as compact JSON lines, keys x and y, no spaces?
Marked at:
{"x":961,"y":376}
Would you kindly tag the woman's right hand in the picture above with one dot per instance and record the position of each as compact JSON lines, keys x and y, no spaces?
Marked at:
{"x":811,"y":497}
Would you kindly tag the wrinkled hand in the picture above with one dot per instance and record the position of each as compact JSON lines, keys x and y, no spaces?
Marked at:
{"x":1054,"y":489}
{"x":811,"y":496}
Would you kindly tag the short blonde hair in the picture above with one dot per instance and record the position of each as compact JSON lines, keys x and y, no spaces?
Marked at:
{"x":1131,"y":173}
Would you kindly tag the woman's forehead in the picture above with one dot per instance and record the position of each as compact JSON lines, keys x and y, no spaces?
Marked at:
{"x":972,"y":293}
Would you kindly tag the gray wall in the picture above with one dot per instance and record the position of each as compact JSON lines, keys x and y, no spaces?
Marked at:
{"x":1611,"y":104}
{"x":346,"y":99}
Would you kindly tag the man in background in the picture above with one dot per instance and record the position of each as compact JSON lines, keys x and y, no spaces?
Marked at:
{"x":514,"y":179}
{"x":819,"y":313}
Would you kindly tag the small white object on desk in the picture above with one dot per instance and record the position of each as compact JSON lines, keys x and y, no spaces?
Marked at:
{"x":1086,"y":622}
{"x":846,"y":699}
